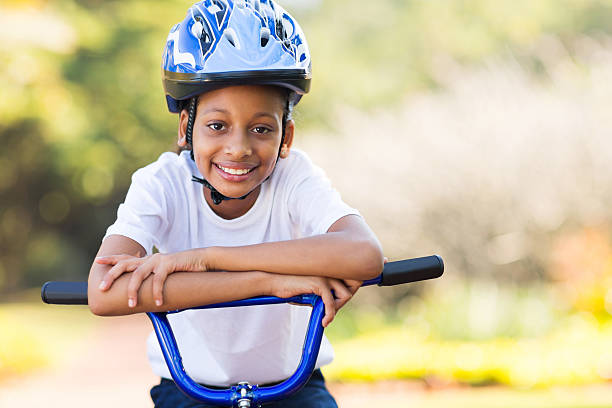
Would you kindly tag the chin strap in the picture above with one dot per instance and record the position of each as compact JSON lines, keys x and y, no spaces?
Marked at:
{"x":216,"y":196}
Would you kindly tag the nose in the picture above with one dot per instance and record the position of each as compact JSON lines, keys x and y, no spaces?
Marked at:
{"x":238,"y":145}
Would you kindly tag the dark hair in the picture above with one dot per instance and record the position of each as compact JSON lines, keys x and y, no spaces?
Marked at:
{"x":190,"y":105}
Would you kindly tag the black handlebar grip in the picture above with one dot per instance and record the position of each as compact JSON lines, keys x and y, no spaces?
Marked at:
{"x":412,"y":270}
{"x":64,"y":293}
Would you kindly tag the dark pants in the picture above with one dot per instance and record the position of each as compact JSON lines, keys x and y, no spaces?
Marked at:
{"x":313,"y":395}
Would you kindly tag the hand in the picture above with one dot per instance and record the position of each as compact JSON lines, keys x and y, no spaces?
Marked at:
{"x":351,"y":285}
{"x":285,"y":286}
{"x":160,"y":265}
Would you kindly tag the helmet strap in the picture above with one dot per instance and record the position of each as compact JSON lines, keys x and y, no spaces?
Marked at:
{"x":193,"y":104}
{"x":216,"y":196}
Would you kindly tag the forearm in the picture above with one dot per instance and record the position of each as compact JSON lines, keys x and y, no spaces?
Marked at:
{"x":114,"y":290}
{"x":335,"y":254}
{"x":181,"y":290}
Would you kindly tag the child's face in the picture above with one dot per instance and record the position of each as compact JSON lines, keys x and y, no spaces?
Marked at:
{"x":236,"y":136}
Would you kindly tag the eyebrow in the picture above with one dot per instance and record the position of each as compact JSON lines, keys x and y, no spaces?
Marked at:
{"x":264,"y":114}
{"x":210,"y":110}
{"x":221,"y":110}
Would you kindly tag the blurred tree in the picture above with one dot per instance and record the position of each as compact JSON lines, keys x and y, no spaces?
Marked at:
{"x":376,"y":53}
{"x":82,"y":107}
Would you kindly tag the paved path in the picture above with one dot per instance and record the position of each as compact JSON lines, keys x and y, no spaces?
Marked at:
{"x":108,"y":368}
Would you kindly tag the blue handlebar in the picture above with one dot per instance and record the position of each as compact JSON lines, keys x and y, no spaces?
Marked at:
{"x":257,"y":395}
{"x":244,"y":394}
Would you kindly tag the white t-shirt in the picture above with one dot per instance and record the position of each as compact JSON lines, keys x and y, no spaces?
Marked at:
{"x":165,"y":209}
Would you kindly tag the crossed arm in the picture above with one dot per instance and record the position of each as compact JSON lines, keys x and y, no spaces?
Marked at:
{"x":338,"y":260}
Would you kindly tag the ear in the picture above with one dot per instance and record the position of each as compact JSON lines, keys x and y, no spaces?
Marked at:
{"x":289,"y":132}
{"x":182,"y":128}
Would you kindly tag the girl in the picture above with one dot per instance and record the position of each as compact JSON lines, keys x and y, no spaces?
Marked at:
{"x":238,"y":213}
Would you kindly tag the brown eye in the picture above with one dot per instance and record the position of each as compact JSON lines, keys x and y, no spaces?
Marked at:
{"x":216,"y":126}
{"x":261,"y":130}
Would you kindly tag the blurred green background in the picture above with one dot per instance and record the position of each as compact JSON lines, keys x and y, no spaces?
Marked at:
{"x":479,"y":130}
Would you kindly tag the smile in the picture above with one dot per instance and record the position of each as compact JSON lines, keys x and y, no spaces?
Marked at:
{"x":236,"y":172}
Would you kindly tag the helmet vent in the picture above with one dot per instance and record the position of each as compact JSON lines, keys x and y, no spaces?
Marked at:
{"x":214,"y":8}
{"x":265,"y":36}
{"x":205,"y":40}
{"x":301,"y":52}
{"x":201,"y":30}
{"x":219,"y":8}
{"x":197,"y":29}
{"x":230,"y":36}
{"x":288,"y":27}
{"x":280,"y":30}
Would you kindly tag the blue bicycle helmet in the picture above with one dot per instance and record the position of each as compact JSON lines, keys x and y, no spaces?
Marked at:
{"x":234,"y":42}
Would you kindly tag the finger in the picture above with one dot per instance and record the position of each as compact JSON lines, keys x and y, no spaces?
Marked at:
{"x":342,"y":293}
{"x":340,"y":289}
{"x":330,"y":306}
{"x":106,"y":260}
{"x":386,"y":260}
{"x":353,"y":285}
{"x":159,"y":277}
{"x":330,"y":309}
{"x":111,"y":259}
{"x":139,"y":275}
{"x":117,"y":270}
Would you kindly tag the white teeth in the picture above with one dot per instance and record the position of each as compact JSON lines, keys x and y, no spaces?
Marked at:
{"x":238,"y":172}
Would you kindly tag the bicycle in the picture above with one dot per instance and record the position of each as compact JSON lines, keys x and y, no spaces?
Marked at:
{"x":243,"y":394}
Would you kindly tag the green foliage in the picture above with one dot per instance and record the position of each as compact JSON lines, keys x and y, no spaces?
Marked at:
{"x":82,"y":105}
{"x":574,"y":353}
{"x":477,"y":333}
{"x":79,"y":116}
{"x":376,"y":53}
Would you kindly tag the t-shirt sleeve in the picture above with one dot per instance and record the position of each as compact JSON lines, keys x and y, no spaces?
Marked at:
{"x":314,"y":205}
{"x":143,"y":216}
